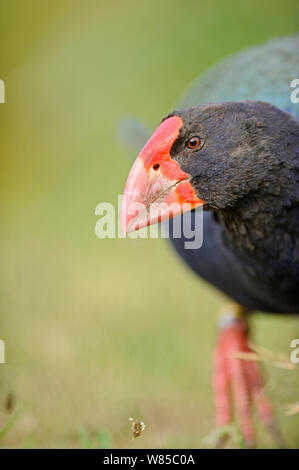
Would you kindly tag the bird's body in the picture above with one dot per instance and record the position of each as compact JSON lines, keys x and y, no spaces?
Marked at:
{"x":233,"y":148}
{"x":219,"y":265}
{"x":251,"y":252}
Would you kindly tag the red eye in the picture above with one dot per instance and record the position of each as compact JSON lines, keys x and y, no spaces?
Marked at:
{"x":194,"y":143}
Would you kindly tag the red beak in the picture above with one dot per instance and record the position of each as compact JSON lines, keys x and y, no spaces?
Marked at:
{"x":157,"y":189}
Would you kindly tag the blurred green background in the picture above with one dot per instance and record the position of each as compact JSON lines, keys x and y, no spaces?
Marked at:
{"x":97,"y":331}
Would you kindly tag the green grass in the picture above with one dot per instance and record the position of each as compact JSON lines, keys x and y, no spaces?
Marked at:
{"x":98,"y":331}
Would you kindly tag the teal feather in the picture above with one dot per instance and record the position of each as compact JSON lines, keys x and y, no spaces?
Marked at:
{"x":262,"y":73}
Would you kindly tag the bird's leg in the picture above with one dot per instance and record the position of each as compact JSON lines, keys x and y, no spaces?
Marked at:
{"x":236,"y":380}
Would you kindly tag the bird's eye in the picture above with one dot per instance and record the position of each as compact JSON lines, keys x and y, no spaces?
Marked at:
{"x":194,"y":142}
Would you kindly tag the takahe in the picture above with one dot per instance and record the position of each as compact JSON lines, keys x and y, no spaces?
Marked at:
{"x":233,"y":147}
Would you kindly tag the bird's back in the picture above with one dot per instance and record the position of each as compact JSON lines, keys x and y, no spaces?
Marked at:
{"x":263,"y":73}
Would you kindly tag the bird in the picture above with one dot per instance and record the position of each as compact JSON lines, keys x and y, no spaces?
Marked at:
{"x":231,"y":149}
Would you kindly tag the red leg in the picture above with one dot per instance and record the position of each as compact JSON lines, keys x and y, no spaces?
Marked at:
{"x":221,"y":388}
{"x":237,"y":378}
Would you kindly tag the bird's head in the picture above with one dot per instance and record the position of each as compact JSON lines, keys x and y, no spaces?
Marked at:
{"x":210,"y":155}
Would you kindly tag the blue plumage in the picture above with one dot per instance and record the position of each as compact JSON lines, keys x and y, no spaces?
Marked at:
{"x":259,"y":73}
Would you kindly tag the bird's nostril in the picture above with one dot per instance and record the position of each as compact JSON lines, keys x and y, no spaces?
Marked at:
{"x":156,"y":166}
